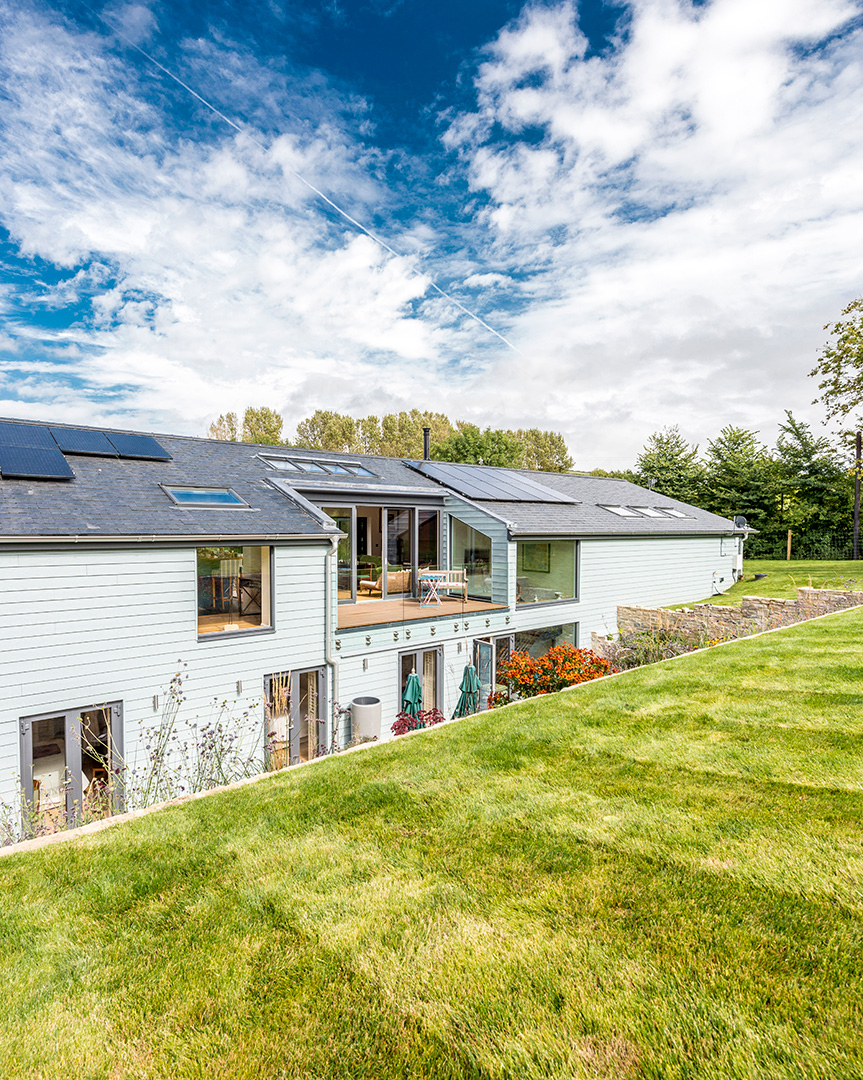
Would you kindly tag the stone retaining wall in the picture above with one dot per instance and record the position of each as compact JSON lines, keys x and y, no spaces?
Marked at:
{"x":756,"y":613}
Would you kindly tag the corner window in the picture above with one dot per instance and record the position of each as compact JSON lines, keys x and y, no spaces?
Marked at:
{"x":215,"y":497}
{"x":234,"y":589}
{"x":546,"y":570}
{"x":471,"y":551}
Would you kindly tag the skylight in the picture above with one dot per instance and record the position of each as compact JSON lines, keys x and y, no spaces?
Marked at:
{"x":649,"y":511}
{"x":672,"y":511}
{"x":332,"y":468}
{"x":622,"y":511}
{"x":204,"y":497}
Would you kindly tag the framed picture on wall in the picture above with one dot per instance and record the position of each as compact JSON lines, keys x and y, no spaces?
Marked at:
{"x":536,"y":557}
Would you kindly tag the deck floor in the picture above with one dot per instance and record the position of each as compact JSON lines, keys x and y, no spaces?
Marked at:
{"x":406,"y":609}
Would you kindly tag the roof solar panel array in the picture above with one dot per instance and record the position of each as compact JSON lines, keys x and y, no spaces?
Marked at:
{"x":82,"y":441}
{"x":33,"y":463}
{"x":35,"y":451}
{"x":26,"y":435}
{"x":481,"y":482}
{"x":137,"y":446}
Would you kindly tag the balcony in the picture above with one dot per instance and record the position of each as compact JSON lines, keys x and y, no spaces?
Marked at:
{"x":406,"y":609}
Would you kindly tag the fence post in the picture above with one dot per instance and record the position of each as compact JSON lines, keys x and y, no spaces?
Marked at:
{"x":788,"y":552}
{"x":857,"y":463}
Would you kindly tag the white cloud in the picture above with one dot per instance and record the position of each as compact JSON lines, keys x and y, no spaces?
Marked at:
{"x":666,"y":252}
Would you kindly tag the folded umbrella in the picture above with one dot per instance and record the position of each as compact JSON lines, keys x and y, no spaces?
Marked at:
{"x":413,"y":695}
{"x":470,"y":687}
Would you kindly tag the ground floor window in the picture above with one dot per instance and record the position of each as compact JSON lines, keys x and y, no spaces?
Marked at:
{"x":72,"y":764}
{"x":427,"y":664}
{"x":296,"y":728}
{"x":490,"y":652}
{"x":234,"y":588}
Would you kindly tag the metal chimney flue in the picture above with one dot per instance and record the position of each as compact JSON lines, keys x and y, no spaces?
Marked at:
{"x":426,"y":443}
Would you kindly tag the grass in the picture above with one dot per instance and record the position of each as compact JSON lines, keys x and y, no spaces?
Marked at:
{"x":658,"y":875}
{"x":783,"y":579}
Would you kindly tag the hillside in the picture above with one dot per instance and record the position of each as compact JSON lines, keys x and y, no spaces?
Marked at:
{"x":658,"y":875}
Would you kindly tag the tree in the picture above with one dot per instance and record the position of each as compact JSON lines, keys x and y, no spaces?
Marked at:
{"x":262,"y":425}
{"x":326,"y":430}
{"x":669,"y":464}
{"x":471,"y":446}
{"x":544,"y":450}
{"x":741,"y":477}
{"x":817,"y":485}
{"x":402,"y":433}
{"x":224,"y":428}
{"x":840,"y":366}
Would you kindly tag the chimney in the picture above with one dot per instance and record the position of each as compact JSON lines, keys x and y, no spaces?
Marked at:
{"x":426,"y":443}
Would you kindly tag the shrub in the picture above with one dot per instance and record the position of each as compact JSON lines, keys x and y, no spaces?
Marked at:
{"x":424,"y":718}
{"x":650,"y":646}
{"x":564,"y":665}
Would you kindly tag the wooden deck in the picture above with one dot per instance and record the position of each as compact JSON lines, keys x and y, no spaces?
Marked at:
{"x":406,"y":609}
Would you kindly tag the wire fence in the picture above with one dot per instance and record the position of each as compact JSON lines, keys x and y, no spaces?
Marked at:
{"x":835,"y":546}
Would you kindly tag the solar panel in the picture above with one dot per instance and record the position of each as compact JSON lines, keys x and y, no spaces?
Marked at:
{"x":80,"y":441}
{"x":502,"y":485}
{"x":33,"y":463}
{"x":137,"y":446}
{"x":25,"y":435}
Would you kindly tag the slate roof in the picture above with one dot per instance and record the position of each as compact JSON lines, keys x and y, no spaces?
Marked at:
{"x":588,"y":516}
{"x":120,"y":497}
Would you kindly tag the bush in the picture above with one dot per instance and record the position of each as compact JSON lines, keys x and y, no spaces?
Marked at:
{"x":423,"y":719}
{"x":650,"y":646}
{"x":564,"y":665}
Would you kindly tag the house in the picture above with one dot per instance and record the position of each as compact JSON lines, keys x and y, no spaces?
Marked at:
{"x":284,"y":582}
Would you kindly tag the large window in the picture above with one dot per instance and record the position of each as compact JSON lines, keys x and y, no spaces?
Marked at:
{"x":296,"y":729}
{"x":546,"y":570}
{"x":343,"y":517}
{"x":471,"y":551}
{"x":490,"y":652}
{"x":234,"y":589}
{"x":538,"y":642}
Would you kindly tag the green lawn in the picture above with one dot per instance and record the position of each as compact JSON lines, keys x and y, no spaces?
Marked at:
{"x":784,"y":578}
{"x":658,"y":875}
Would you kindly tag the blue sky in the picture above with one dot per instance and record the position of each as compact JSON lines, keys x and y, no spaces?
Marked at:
{"x":655,"y":204}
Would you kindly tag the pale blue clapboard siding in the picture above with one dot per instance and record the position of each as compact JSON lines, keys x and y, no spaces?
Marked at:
{"x":81,"y":627}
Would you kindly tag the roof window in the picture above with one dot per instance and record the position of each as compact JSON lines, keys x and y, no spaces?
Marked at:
{"x":332,"y":468}
{"x":672,"y":511}
{"x":622,"y":511}
{"x":649,"y":511}
{"x":214,"y":498}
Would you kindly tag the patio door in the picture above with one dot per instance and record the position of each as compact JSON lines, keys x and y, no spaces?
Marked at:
{"x":296,"y":717}
{"x":427,"y":664}
{"x":71,"y":764}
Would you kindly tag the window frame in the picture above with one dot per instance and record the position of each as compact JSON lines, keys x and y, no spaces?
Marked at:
{"x":251,"y":631}
{"x":576,"y":573}
{"x":169,"y":490}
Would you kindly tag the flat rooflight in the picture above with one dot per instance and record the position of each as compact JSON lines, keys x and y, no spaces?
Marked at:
{"x":204,"y":497}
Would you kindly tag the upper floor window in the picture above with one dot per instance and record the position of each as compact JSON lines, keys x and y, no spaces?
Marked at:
{"x":234,"y":589}
{"x":546,"y":570}
{"x":471,"y":551}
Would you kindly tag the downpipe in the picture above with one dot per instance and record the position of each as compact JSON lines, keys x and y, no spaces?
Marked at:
{"x":329,"y":657}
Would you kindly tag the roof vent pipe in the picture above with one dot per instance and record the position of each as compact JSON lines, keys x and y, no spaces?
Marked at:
{"x":426,"y":443}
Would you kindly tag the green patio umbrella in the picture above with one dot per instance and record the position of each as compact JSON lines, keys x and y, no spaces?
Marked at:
{"x":412,"y":697}
{"x":468,"y":701}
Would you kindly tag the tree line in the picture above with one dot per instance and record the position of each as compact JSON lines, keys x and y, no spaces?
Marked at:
{"x":401,"y":435}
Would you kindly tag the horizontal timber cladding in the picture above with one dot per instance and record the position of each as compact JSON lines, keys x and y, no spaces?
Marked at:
{"x":502,"y":578}
{"x":90,"y":625}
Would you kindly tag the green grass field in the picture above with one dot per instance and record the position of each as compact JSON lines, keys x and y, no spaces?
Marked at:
{"x":784,"y":578}
{"x":658,"y":875}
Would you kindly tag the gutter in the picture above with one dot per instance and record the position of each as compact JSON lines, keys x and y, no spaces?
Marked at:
{"x":158,"y":538}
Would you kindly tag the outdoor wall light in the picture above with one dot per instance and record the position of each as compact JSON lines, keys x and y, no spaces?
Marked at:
{"x":365,"y":663}
{"x":395,"y":635}
{"x":407,"y":634}
{"x":433,"y":631}
{"x":455,"y":626}
{"x":239,"y":687}
{"x":155,"y":702}
{"x":338,"y":644}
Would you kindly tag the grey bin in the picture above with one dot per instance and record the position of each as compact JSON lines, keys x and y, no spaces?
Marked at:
{"x":366,"y":717}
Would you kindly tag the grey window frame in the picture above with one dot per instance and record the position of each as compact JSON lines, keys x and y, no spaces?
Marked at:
{"x":170,"y":488}
{"x":421,"y":650}
{"x":220,"y":635}
{"x":576,"y":598}
{"x":72,"y":725}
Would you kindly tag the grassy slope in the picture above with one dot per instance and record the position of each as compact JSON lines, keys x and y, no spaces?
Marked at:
{"x":654,"y":876}
{"x":783,"y":578}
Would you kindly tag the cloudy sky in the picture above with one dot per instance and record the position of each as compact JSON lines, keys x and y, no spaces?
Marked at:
{"x":655,"y":205}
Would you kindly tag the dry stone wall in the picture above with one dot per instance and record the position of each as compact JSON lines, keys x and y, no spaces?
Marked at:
{"x":711,"y":622}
